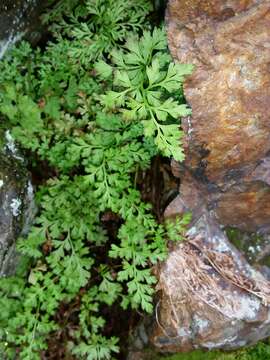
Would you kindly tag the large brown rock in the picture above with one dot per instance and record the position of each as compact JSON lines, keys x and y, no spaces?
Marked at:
{"x":229,"y":92}
{"x":209,"y":296}
{"x":227,"y":138}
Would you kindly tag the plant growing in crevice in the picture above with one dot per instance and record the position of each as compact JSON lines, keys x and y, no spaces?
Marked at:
{"x":97,"y":115}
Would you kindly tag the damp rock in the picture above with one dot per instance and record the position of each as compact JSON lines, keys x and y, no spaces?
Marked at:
{"x":19,"y":19}
{"x":17,"y":204}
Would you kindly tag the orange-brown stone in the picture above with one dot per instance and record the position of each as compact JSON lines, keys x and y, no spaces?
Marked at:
{"x":230,"y":90}
{"x":208,"y":297}
{"x":227,"y":138}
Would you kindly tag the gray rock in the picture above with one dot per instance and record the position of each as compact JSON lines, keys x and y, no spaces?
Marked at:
{"x":208,"y":296}
{"x":18,"y":17}
{"x":16,"y":204}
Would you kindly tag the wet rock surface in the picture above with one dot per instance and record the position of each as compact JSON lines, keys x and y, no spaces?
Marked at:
{"x":18,"y":18}
{"x":209,"y":296}
{"x":16,"y":204}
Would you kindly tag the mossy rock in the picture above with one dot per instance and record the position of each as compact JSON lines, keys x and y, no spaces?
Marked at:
{"x":261,"y":351}
{"x":254,"y":246}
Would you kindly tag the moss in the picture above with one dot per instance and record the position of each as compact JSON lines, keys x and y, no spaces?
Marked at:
{"x":2,"y":139}
{"x":260,"y":351}
{"x":194,"y":355}
{"x":248,"y":243}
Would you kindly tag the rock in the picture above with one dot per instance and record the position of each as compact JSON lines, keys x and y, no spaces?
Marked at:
{"x":18,"y":18}
{"x":209,"y":296}
{"x":17,"y":205}
{"x":227,"y":138}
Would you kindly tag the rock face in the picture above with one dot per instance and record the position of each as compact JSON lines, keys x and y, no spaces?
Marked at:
{"x":16,"y":200}
{"x":15,"y":17}
{"x":209,"y":296}
{"x":227,"y":138}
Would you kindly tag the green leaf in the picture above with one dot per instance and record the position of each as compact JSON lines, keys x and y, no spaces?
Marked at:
{"x":103,"y":69}
{"x":153,"y":72}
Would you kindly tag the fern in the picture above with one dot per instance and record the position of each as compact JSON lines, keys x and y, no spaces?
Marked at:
{"x":96,"y":108}
{"x":145,"y":79}
{"x":97,"y":26}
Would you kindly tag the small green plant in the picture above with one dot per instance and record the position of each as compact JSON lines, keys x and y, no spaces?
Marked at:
{"x":96,"y":108}
{"x":261,"y":351}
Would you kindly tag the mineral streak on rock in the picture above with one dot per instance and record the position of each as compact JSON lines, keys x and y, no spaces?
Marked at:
{"x":18,"y":18}
{"x":209,"y":296}
{"x":16,"y":205}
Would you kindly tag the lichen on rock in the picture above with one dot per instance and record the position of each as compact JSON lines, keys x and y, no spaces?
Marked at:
{"x":17,"y":203}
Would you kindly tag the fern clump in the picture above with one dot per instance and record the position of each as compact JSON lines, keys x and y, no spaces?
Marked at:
{"x":96,"y":27}
{"x":145,"y":79}
{"x":95,"y":106}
